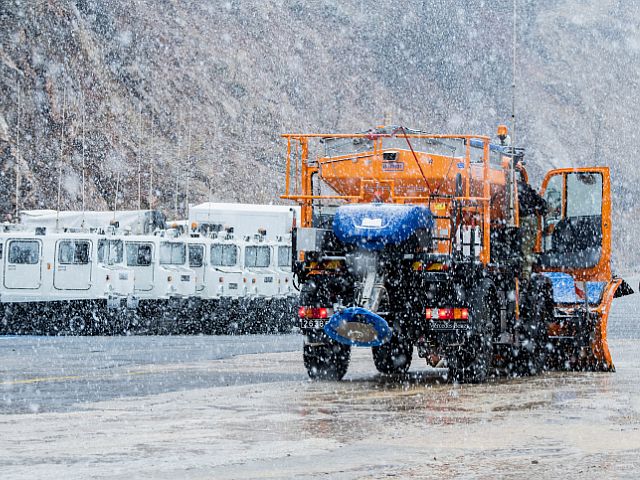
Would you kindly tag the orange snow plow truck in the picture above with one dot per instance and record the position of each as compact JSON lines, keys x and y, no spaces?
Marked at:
{"x":408,"y":239}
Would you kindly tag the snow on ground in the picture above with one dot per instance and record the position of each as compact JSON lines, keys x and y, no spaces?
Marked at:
{"x":242,"y":407}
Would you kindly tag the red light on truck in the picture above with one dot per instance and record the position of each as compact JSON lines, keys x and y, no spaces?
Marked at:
{"x":313,"y":312}
{"x":447,"y":314}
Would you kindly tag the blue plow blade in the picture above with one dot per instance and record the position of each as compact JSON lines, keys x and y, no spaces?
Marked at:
{"x":358,"y":327}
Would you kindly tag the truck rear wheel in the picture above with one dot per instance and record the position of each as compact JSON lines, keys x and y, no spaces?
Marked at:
{"x":327,"y":361}
{"x":393,"y":356}
{"x":472,"y":361}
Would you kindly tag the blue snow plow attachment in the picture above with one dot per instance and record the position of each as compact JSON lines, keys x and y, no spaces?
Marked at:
{"x":358,"y":327}
{"x":372,"y":226}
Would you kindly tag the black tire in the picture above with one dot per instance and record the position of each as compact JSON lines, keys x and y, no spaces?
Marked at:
{"x":393,"y":357}
{"x":77,"y":324}
{"x":328,"y":361}
{"x":472,"y":362}
{"x":530,"y":356}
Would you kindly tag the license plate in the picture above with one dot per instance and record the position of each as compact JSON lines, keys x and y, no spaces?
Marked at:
{"x":123,"y":276}
{"x":185,"y":278}
{"x":448,"y":325}
{"x":233,"y":286}
{"x":313,"y":322}
{"x":268,"y":279}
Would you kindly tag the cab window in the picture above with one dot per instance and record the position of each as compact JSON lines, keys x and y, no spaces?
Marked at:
{"x":196,"y":256}
{"x":24,"y":252}
{"x":172,"y":253}
{"x":572,"y":228}
{"x":73,"y":252}
{"x":110,"y":252}
{"x":259,"y":257}
{"x":284,"y":256}
{"x":224,"y":255}
{"x":139,"y":254}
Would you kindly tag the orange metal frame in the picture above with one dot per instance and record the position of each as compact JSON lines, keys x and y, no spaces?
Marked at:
{"x":304,"y":169}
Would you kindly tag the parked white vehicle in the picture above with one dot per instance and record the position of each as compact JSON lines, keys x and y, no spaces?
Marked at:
{"x":282,"y":248}
{"x":75,"y":265}
{"x":245,"y":220}
{"x":160,"y":266}
{"x":61,"y":273}
{"x":136,"y":221}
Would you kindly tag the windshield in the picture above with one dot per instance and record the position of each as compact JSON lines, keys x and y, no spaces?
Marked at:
{"x":139,"y":254}
{"x":110,"y":252}
{"x":73,"y":252}
{"x":172,"y":253}
{"x":224,"y":255}
{"x":257,"y":257}
{"x":24,"y":252}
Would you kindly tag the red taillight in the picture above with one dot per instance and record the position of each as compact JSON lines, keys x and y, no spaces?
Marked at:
{"x":447,"y":314}
{"x":313,"y":312}
{"x":221,"y":279}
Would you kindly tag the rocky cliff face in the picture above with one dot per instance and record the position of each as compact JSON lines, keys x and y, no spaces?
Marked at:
{"x":198,"y":92}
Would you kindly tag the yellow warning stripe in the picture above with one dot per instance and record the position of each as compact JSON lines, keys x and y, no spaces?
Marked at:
{"x":71,"y":377}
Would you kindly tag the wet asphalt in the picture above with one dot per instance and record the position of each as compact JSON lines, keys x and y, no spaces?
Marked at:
{"x":242,"y":407}
{"x":50,"y":374}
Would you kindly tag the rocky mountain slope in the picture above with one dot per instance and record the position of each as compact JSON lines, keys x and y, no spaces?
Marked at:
{"x":198,"y":92}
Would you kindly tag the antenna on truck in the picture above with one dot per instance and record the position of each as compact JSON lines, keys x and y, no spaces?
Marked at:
{"x":177,"y":184}
{"x":83,"y":160}
{"x":189,"y":166}
{"x":140,"y":158}
{"x":64,"y":107}
{"x":151,"y":157}
{"x":210,"y":190}
{"x":18,"y":179}
{"x":115,"y":199}
{"x":513,"y":83}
